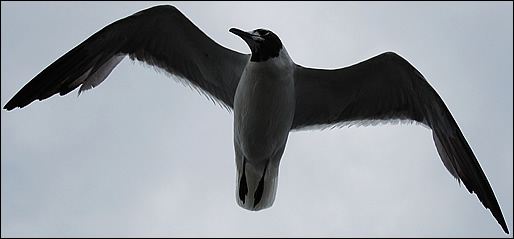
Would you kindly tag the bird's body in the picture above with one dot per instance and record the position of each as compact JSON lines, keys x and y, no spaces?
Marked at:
{"x":263,"y":114}
{"x":269,"y":93}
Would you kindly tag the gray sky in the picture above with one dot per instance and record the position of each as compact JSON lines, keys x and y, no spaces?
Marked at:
{"x":143,"y":156}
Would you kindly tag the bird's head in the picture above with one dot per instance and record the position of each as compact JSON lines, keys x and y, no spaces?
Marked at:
{"x":263,"y":43}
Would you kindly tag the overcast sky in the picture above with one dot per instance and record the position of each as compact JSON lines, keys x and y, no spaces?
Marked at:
{"x":143,"y":156}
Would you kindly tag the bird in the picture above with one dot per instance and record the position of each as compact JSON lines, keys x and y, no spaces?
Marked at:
{"x":269,"y":94}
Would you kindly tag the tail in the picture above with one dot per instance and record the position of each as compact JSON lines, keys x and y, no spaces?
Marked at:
{"x":256,"y":184}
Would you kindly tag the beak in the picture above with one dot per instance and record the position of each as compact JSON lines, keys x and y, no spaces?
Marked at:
{"x":246,"y":35}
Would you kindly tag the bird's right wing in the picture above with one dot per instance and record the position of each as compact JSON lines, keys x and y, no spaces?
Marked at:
{"x":160,"y":36}
{"x":387,"y":87}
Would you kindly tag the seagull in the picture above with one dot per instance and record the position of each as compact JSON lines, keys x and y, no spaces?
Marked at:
{"x":269,"y":94}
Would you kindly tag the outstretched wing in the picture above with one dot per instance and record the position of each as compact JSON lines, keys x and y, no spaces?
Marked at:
{"x":387,"y":87}
{"x":160,"y":36}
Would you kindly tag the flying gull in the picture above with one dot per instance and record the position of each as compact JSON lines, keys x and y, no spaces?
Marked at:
{"x":269,"y":94}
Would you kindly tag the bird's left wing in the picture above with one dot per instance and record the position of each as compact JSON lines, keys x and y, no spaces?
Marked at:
{"x":387,"y":87}
{"x":160,"y":36}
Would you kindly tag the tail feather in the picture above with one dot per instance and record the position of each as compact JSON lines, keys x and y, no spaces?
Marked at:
{"x":256,"y":188}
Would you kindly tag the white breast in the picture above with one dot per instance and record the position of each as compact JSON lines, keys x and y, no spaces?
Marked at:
{"x":264,"y":107}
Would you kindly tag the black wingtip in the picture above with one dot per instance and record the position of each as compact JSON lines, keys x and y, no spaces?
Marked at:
{"x":9,"y":106}
{"x":503,"y":224}
{"x":15,"y":103}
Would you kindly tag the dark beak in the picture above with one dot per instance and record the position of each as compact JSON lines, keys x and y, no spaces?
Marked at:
{"x":247,"y":36}
{"x":240,"y":33}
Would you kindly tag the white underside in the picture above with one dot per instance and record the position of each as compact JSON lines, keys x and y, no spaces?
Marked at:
{"x":264,"y":106}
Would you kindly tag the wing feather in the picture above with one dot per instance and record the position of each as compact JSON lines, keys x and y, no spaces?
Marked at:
{"x":387,"y":87}
{"x":160,"y":36}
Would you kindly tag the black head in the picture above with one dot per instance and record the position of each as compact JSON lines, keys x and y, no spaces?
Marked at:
{"x":263,"y":43}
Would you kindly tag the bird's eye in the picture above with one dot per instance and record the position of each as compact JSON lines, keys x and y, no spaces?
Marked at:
{"x":262,"y":32}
